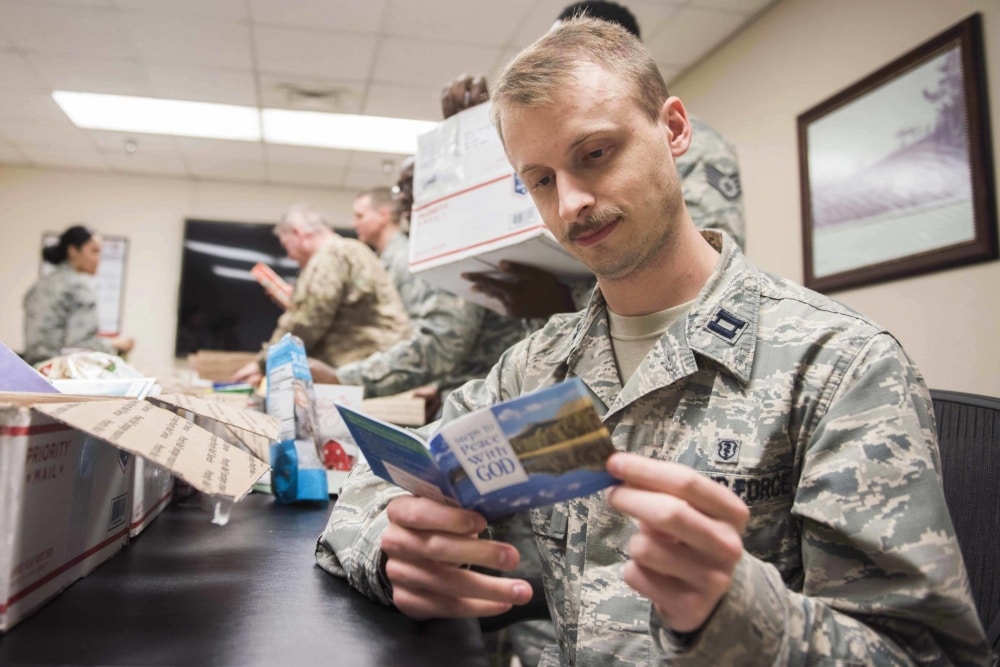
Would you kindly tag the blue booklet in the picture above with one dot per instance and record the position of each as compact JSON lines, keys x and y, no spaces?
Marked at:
{"x":529,"y":451}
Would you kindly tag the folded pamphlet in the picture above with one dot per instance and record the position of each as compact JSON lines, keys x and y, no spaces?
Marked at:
{"x":533,"y":450}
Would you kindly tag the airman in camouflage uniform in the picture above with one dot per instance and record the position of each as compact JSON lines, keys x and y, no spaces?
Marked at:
{"x":343,"y":306}
{"x":453,"y":340}
{"x":60,"y":312}
{"x":811,"y":414}
{"x":780,"y":498}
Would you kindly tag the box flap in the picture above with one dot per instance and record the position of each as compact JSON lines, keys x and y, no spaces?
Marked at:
{"x":205,"y":461}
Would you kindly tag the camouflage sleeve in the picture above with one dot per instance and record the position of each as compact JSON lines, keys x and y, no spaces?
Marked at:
{"x":60,"y":314}
{"x":350,"y":545}
{"x":710,"y":178}
{"x":444,"y":332}
{"x":316,"y":300}
{"x":883,"y":585}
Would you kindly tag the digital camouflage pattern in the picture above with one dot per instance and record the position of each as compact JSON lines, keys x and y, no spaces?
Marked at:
{"x":453,"y":340}
{"x":811,"y":414}
{"x":60,"y":312}
{"x":343,"y":306}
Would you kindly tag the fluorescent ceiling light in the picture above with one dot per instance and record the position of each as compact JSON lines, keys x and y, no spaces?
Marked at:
{"x":155,"y":116}
{"x":225,"y":252}
{"x":346,"y":131}
{"x":225,"y":121}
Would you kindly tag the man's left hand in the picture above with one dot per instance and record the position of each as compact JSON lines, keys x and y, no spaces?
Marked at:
{"x":689,"y":539}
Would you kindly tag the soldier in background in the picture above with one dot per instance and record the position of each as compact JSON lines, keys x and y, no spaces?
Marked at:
{"x":343,"y":306}
{"x":709,"y":174}
{"x":453,"y":340}
{"x":60,"y":310}
{"x":780,"y":498}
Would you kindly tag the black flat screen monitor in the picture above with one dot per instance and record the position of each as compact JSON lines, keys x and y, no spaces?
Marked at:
{"x":222,"y":306}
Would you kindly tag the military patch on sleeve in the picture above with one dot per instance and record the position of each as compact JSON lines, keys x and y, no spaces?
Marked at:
{"x":728,"y":185}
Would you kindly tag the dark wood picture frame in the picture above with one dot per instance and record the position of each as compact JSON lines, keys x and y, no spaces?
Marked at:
{"x":927,"y":201}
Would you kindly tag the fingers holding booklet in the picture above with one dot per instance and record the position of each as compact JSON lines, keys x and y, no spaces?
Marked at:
{"x":529,"y":451}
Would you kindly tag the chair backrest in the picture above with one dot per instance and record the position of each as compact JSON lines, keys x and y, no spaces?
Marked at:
{"x":969,"y":435}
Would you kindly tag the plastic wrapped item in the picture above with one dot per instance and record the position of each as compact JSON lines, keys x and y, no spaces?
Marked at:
{"x":297,"y":470}
{"x":87,"y":365}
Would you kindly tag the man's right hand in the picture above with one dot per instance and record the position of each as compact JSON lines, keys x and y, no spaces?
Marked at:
{"x":250,"y":374}
{"x":463,"y":93}
{"x":430,"y":548}
{"x":524,"y":291}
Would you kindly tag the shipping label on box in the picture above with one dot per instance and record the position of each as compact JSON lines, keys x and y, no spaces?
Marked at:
{"x":471,"y":211}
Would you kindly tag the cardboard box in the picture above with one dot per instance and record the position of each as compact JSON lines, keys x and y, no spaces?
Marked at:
{"x":471,"y":211}
{"x":218,"y":365}
{"x":70,"y":492}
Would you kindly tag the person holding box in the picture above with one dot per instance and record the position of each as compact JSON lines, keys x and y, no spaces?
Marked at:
{"x":780,"y":498}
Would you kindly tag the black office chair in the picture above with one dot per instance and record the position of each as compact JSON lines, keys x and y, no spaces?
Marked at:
{"x":969,"y":434}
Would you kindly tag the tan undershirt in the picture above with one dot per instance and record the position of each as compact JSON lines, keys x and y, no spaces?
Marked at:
{"x":633,"y":337}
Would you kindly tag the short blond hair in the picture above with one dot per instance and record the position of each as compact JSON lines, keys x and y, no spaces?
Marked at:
{"x":536,"y":74}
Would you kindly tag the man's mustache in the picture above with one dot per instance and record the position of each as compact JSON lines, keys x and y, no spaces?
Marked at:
{"x":595,"y":221}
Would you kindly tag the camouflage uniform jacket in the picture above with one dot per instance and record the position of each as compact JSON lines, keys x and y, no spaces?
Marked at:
{"x":812,"y":415}
{"x":60,"y":311}
{"x":343,"y":306}
{"x":453,"y":340}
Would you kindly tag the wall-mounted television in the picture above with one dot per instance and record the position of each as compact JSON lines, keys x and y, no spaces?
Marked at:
{"x":222,"y":306}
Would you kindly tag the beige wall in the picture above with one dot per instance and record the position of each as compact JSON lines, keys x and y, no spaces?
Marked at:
{"x":149,"y":211}
{"x":796,"y":55}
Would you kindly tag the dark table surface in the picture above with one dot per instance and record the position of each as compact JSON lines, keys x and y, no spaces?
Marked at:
{"x":187,"y":592}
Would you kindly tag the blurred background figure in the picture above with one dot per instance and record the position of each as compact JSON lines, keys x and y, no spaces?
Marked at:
{"x":344,"y":306}
{"x":60,"y":310}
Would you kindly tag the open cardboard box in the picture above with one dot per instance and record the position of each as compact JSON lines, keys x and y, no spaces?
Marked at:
{"x":471,"y":211}
{"x":70,"y":486}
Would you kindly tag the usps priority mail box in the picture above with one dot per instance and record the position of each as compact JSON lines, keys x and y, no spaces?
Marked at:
{"x":64,"y":507}
{"x":471,"y":210}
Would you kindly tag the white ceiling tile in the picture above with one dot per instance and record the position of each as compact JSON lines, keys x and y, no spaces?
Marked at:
{"x":690,"y":35}
{"x":483,"y":22}
{"x":109,"y":142}
{"x":66,"y":30}
{"x":669,"y":72}
{"x":414,"y":62}
{"x":340,"y":15}
{"x":314,"y":53}
{"x":203,"y":84}
{"x":418,"y":103}
{"x":744,"y":7}
{"x":228,"y":170}
{"x":177,"y":39}
{"x":651,"y":17}
{"x":30,"y":106}
{"x":235,"y":9}
{"x":288,"y":91}
{"x":116,"y":77}
{"x":307,"y":157}
{"x":289,"y":173}
{"x":21,"y":131}
{"x":197,"y":149}
{"x":387,"y":164}
{"x":17,"y":74}
{"x":537,"y":21}
{"x":148,"y":163}
{"x":63,"y":157}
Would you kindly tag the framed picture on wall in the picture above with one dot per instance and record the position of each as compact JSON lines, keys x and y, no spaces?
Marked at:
{"x":896,"y":171}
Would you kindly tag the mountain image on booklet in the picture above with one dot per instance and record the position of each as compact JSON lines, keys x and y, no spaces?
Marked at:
{"x":529,"y":451}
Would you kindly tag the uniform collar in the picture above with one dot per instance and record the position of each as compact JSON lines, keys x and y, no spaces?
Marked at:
{"x":721,"y":324}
